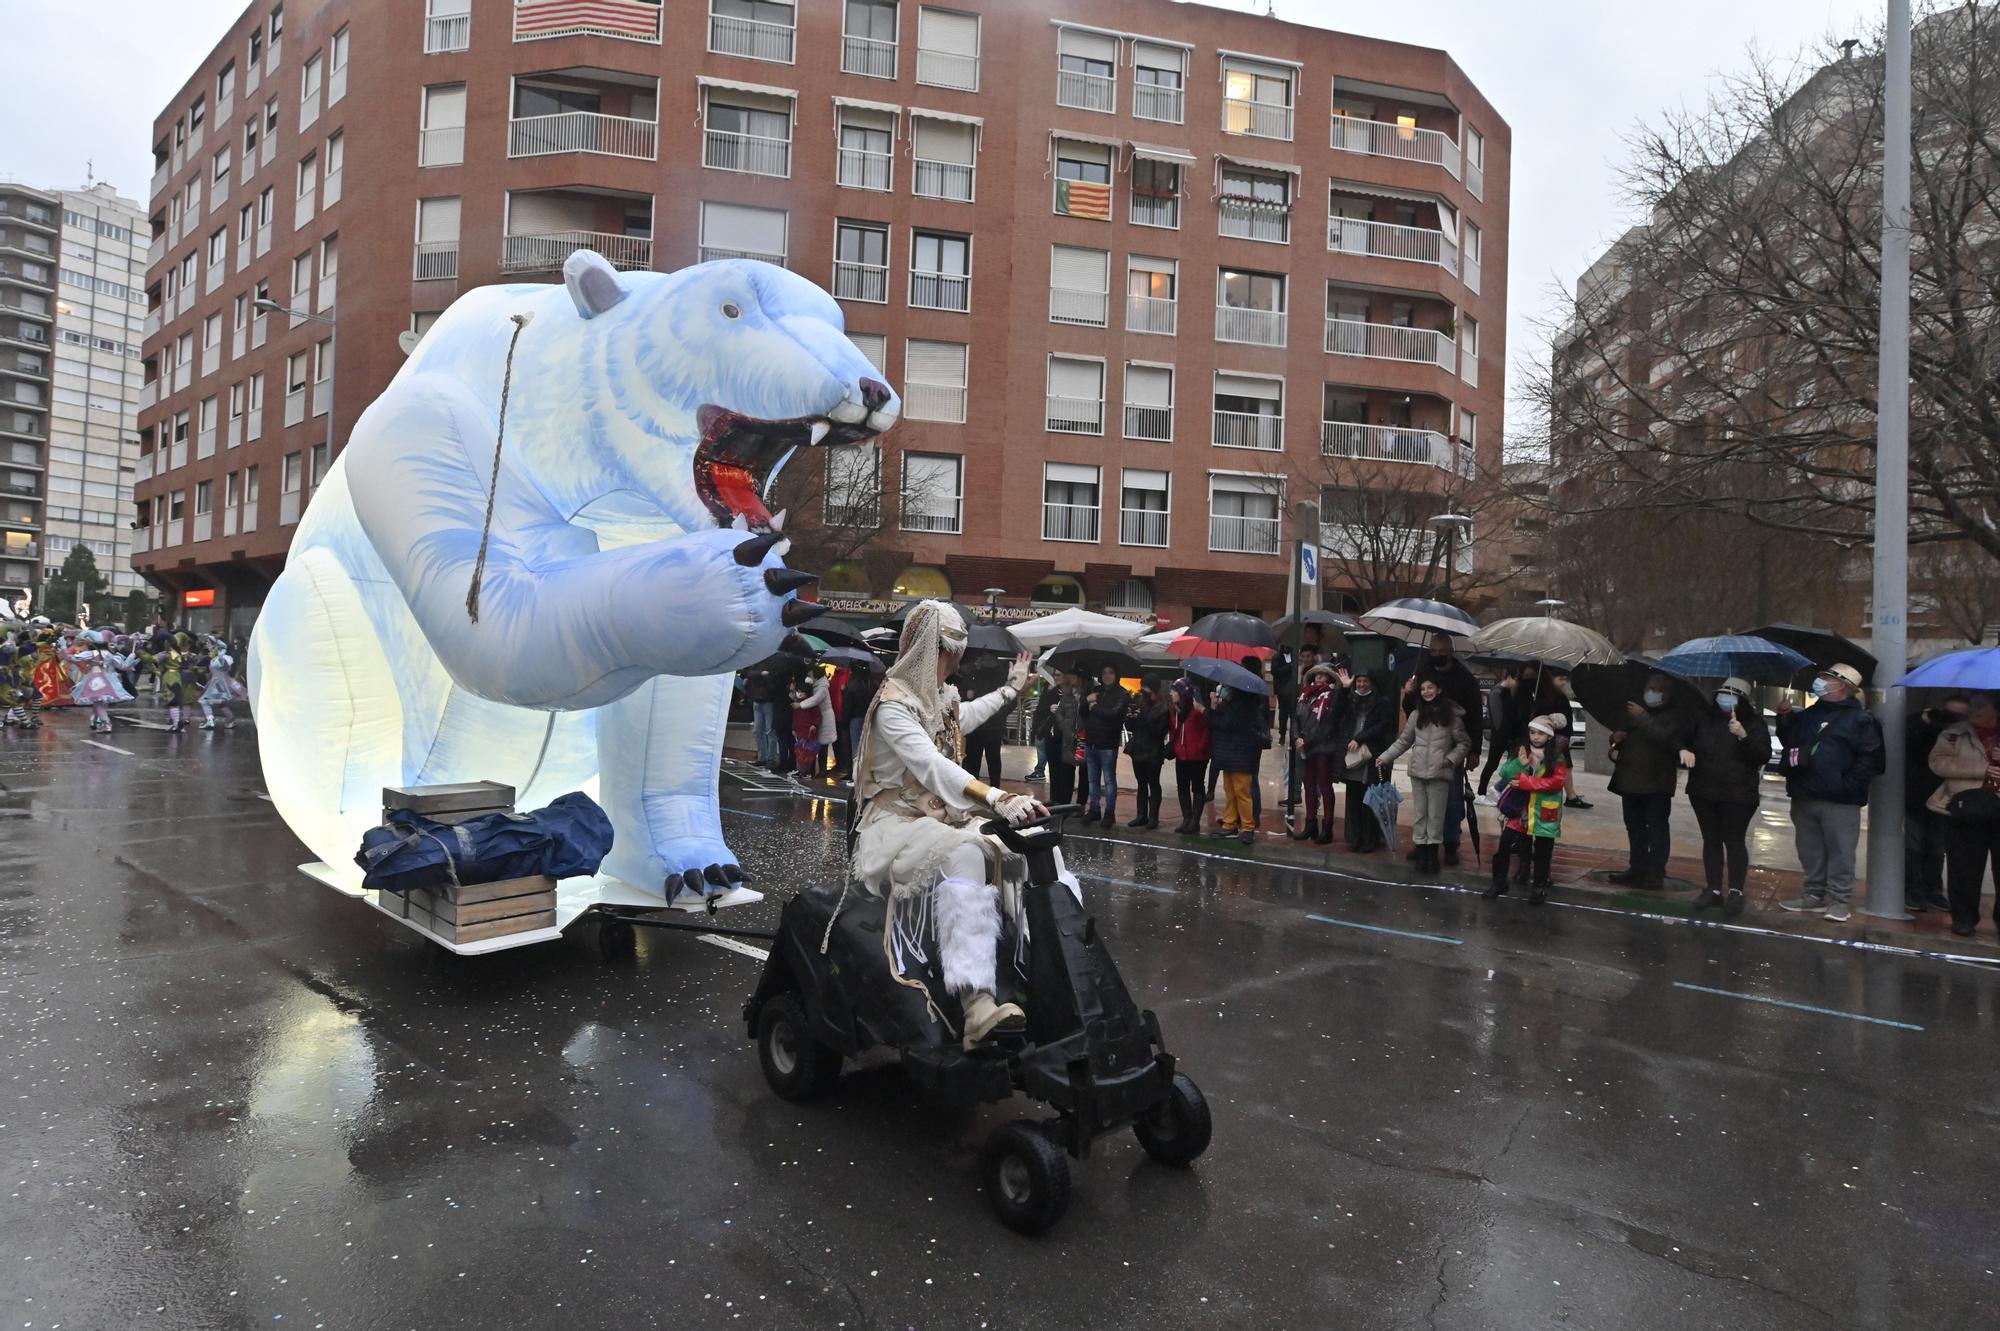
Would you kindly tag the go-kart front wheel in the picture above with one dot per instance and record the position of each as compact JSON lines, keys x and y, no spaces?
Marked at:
{"x":1177,"y":1130}
{"x":1026,"y":1177}
{"x":797,"y":1066}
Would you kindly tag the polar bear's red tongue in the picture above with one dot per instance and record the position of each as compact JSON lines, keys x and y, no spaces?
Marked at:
{"x":737,"y":489}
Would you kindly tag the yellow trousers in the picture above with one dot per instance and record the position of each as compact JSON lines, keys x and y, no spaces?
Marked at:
{"x":1237,"y":815}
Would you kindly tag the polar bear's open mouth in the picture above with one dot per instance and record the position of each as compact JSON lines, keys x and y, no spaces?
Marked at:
{"x":739,"y":455}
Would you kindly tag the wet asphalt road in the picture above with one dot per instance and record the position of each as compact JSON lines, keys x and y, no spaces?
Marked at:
{"x":232,"y":1098}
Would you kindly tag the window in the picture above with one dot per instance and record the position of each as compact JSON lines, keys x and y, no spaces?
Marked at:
{"x":219,"y":165}
{"x":204,"y":498}
{"x":1083,"y":180}
{"x":753,"y":29}
{"x":225,"y":86}
{"x":329,"y":268}
{"x":867,"y":148}
{"x":302,"y":280}
{"x":1243,"y":513}
{"x":256,"y":394}
{"x":861,"y":261}
{"x":447,"y":26}
{"x":854,"y":486}
{"x":1255,"y":205}
{"x":266,"y":203}
{"x":933,"y":492}
{"x":251,"y":129}
{"x":1475,"y":162}
{"x":211,"y":332}
{"x":294,"y":473}
{"x":270,"y":121}
{"x":277,"y":26}
{"x":934,"y":381}
{"x":316,"y":464}
{"x":218,"y":247}
{"x":1159,"y":74}
{"x":441,"y":140}
{"x":437,"y":239}
{"x":1143,"y":503}
{"x":232,"y":490}
{"x":1156,"y":192}
{"x":177,"y":506}
{"x":947,"y":49}
{"x":737,"y":231}
{"x":1149,"y":402}
{"x":256,"y":44}
{"x":1150,"y":305}
{"x":1468,"y":349}
{"x":1250,"y":307}
{"x":421,"y":321}
{"x":1070,"y":499}
{"x":1087,"y":69}
{"x":197,"y":116}
{"x":249,"y":487}
{"x":1470,"y":250}
{"x":310,"y":81}
{"x":940,"y":271}
{"x":1468,"y":434}
{"x":1249,"y":412}
{"x":336,"y":65}
{"x":868,"y":39}
{"x":180,"y":427}
{"x":323,"y":361}
{"x":1076,"y":395}
{"x":874,"y":348}
{"x":1079,"y":286}
{"x":942,"y":156}
{"x":236,"y":402}
{"x":751,"y":134}
{"x":308,"y":178}
{"x":295,"y":373}
{"x":1256,"y":99}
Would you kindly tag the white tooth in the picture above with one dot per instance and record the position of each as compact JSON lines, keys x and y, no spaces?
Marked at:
{"x":881,"y":420}
{"x":849,"y":412}
{"x":820,"y":430}
{"x":778,"y":522}
{"x":739,"y":523}
{"x":781,"y":549}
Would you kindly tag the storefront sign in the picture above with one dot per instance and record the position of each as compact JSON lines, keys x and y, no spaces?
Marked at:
{"x":192,"y":599}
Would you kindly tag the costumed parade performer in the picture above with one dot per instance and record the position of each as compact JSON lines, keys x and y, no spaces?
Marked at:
{"x":915,"y":838}
{"x":13,"y":688}
{"x":52,"y":677}
{"x":222,"y":690}
{"x":99,"y":686}
{"x":167,"y":657}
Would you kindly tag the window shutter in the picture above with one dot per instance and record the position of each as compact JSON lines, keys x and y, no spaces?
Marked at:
{"x":875,"y":347}
{"x":537,"y":214}
{"x":437,"y":219}
{"x":944,"y":31}
{"x":1149,"y":386}
{"x":1159,"y":57}
{"x":940,"y":364}
{"x":1090,"y":45}
{"x":1075,"y":269}
{"x":1071,"y":472}
{"x":444,"y":108}
{"x":734,"y":226}
{"x":1075,"y":378}
{"x":941,"y":140}
{"x":1237,"y":385}
{"x":1145,"y":264}
{"x":1146,"y":481}
{"x":1226,"y":483}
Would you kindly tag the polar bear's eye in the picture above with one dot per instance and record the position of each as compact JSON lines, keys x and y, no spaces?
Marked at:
{"x":731,"y":310}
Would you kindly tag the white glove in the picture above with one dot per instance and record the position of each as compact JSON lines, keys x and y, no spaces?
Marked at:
{"x":1019,"y":809}
{"x":1017,"y":675}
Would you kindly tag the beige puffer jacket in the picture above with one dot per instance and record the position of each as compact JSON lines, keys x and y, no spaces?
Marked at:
{"x":1959,"y":760}
{"x":1435,"y":751}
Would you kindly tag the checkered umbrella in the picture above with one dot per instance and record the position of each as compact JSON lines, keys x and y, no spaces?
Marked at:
{"x":1738,"y":654}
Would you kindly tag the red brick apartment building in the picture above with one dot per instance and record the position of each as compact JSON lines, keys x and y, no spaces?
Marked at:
{"x":1138,"y":268}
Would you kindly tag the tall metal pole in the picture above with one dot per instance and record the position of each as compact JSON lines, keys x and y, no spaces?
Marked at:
{"x":1892,"y":473}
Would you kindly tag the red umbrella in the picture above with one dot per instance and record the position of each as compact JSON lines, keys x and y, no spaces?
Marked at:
{"x":1228,"y":636}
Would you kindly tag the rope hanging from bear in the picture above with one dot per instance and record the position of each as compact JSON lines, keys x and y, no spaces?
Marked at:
{"x":493,"y":483}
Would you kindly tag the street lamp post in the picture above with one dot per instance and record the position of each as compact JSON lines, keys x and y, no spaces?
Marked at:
{"x":333,"y":353}
{"x":1452,"y":523}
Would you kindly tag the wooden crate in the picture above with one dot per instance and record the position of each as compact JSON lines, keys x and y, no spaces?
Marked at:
{"x":456,"y":797}
{"x":474,"y":911}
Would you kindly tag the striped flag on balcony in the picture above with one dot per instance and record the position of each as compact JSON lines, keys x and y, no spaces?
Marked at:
{"x":626,"y":18}
{"x":1081,"y":198}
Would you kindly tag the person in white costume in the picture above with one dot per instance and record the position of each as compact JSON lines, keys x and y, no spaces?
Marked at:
{"x":915,"y":832}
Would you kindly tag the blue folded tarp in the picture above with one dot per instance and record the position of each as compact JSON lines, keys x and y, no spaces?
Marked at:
{"x":409,"y":852}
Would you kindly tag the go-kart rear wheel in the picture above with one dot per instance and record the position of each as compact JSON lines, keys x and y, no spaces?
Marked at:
{"x":1026,"y":1177}
{"x":1178,"y":1129}
{"x":797,"y":1066}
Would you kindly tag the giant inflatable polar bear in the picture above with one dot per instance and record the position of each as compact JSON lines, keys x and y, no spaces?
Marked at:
{"x":632,"y":565}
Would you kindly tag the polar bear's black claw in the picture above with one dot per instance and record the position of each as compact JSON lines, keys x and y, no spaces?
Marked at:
{"x":713,"y":873}
{"x":751,"y":552}
{"x":796,"y":613}
{"x":783,"y":580}
{"x":734,"y":873}
{"x":691,"y":880}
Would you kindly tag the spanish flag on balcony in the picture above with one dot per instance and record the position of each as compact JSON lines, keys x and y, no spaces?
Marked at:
{"x":1081,"y":198}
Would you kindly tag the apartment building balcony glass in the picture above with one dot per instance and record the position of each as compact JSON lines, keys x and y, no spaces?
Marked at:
{"x":1250,"y":532}
{"x":545,"y":227}
{"x":1393,"y":443}
{"x":947,"y":49}
{"x":1401,"y":139}
{"x":752,"y":29}
{"x":1142,"y":526}
{"x":448,"y":26}
{"x":626,"y":20}
{"x":1346,"y":234}
{"x":1355,"y":337}
{"x":943,"y":151}
{"x":868,"y":39}
{"x":1159,"y":76}
{"x":568,"y":111}
{"x":1250,"y":307}
{"x":435,"y":260}
{"x":1257,"y":98}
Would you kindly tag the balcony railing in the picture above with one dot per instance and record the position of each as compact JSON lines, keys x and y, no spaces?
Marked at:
{"x":861,"y":281}
{"x":1377,"y":138}
{"x":1075,"y":415}
{"x":1475,"y":179}
{"x":161,"y":175}
{"x":862,"y":169}
{"x":436,"y":260}
{"x":1471,"y":274}
{"x":1394,"y":443}
{"x":143,"y":471}
{"x":629,"y":20}
{"x":941,"y":180}
{"x":1421,"y":547}
{"x":1151,"y":314}
{"x":1142,"y":526}
{"x":1086,"y":92}
{"x":1253,"y":221}
{"x":1069,"y":305}
{"x":1150,"y":101}
{"x":288,"y":508}
{"x":1351,"y":337}
{"x":204,"y":444}
{"x":710,"y":253}
{"x":1261,"y":120}
{"x":1069,"y":522}
{"x":447,"y":32}
{"x":1243,"y":535}
{"x":1246,"y":429}
{"x":753,"y":154}
{"x":934,"y":402}
{"x":1156,"y":210}
{"x":916,"y":519}
{"x":545,"y":251}
{"x":582,"y":132}
{"x":1389,"y":240}
{"x":1263,"y":328}
{"x":940,"y":291}
{"x":444,"y":146}
{"x":868,"y":57}
{"x":1153,"y":423}
{"x":947,"y":69}
{"x":156,"y":251}
{"x":753,"y":39}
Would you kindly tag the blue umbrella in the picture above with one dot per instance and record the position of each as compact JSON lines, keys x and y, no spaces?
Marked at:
{"x":1226,"y":672}
{"x":1978,"y":668}
{"x":1733,"y":654}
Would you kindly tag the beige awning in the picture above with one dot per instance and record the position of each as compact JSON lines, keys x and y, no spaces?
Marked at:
{"x":860,"y":105}
{"x":1285,"y":168}
{"x":1155,"y":153}
{"x":762,"y":89}
{"x":929,"y":114}
{"x":1074,"y":137}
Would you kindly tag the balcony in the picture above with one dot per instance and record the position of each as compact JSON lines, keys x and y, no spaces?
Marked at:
{"x":1422,"y":346}
{"x":142,"y":540}
{"x":1394,"y":443}
{"x":1075,"y":415}
{"x":1152,"y":101}
{"x":1376,"y":138}
{"x":156,"y":251}
{"x":710,"y":253}
{"x":583,"y":132}
{"x":859,"y":168}
{"x":143,"y":470}
{"x":204,"y":444}
{"x":753,"y":39}
{"x":330,"y":191}
{"x":436,"y":260}
{"x":1262,"y":328}
{"x":1249,"y":219}
{"x":1470,"y":274}
{"x":1072,"y":305}
{"x":941,"y":180}
{"x":868,"y":57}
{"x":546,"y":251}
{"x":1142,"y":526}
{"x":861,"y":281}
{"x":1243,"y":535}
{"x":1400,"y":545}
{"x":1151,"y":314}
{"x":752,"y":154}
{"x":444,"y":33}
{"x":443,"y":146}
{"x":204,"y":524}
{"x":940,"y":291}
{"x":1259,"y":120}
{"x":1086,"y":92}
{"x":1069,"y":522}
{"x":177,"y":455}
{"x":948,"y":69}
{"x":1246,"y":429}
{"x":161,"y":175}
{"x":627,"y":20}
{"x":1155,"y":424}
{"x":288,"y":508}
{"x":1475,"y":179}
{"x":1387,"y":240}
{"x":295,"y":407}
{"x":934,"y":402}
{"x":1162,"y":210}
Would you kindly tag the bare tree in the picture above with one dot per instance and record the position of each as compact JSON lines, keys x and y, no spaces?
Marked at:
{"x":1959,"y":583}
{"x":837,"y":505}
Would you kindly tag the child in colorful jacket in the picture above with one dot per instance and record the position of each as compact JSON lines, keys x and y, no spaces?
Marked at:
{"x":1531,"y":799}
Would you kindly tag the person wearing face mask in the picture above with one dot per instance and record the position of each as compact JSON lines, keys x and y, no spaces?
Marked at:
{"x":1365,"y":722}
{"x":1531,"y":801}
{"x":1924,"y":829}
{"x":1832,"y":752}
{"x":1726,"y":752}
{"x":1966,"y":760}
{"x":1440,"y":664}
{"x":1645,"y":772}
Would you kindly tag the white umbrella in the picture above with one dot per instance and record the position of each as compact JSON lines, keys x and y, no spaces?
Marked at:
{"x":1034,"y":634}
{"x":1161,"y":639}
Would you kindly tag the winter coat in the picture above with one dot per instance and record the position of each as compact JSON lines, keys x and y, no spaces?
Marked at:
{"x":1435,"y":751}
{"x":1318,"y":721}
{"x":770,"y":680}
{"x":1059,"y":717}
{"x":1457,"y":683}
{"x":1648,"y":761}
{"x":1840,"y":746}
{"x":818,"y":700}
{"x":1959,"y":760}
{"x":859,"y":695}
{"x":994,"y":726}
{"x":1728,"y":770}
{"x":1237,"y":728}
{"x":1544,"y":784}
{"x":1146,"y":730}
{"x":1187,"y":731}
{"x":1369,"y":722}
{"x":1104,"y":720}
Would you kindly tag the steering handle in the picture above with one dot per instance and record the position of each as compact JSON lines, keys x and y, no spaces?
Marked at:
{"x":1000,"y":826}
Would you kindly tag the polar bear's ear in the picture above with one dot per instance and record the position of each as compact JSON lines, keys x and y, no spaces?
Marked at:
{"x":593,"y":283}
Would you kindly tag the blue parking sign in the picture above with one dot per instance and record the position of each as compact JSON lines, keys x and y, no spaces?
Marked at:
{"x":1308,"y":566}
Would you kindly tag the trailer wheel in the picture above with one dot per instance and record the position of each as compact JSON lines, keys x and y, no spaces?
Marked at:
{"x":1026,"y":1177}
{"x":616,"y":940}
{"x":1179,"y":1127}
{"x":797,"y":1066}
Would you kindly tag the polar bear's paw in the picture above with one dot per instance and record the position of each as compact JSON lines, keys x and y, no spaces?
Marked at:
{"x":698,"y":868}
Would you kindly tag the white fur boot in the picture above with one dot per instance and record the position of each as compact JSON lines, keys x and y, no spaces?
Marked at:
{"x":968,"y":931}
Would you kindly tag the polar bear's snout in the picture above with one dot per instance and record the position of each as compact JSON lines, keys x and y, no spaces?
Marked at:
{"x":868,"y":403}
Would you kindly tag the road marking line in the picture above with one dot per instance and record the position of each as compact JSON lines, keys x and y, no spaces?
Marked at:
{"x":734,"y":945}
{"x":1126,"y":882}
{"x":1797,"y":1007}
{"x":113,"y":747}
{"x":746,"y":813}
{"x":1383,"y":929}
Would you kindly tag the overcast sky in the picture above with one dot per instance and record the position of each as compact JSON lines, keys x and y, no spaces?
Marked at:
{"x":1570,"y":76}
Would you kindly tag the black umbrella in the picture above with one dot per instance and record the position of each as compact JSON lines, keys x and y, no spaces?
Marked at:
{"x":1471,"y":811}
{"x":837,"y":632}
{"x":1225,"y":672}
{"x":1604,"y":691}
{"x":1227,"y":635}
{"x":992,"y":638}
{"x":1088,"y":656}
{"x":1823,"y":647}
{"x":854,"y":658}
{"x":1320,"y":619}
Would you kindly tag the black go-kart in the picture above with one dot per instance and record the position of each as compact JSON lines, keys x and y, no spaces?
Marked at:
{"x":1089,"y":1053}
